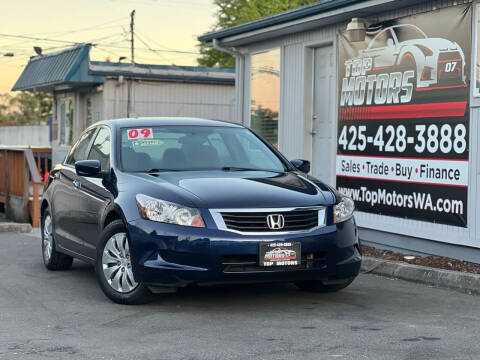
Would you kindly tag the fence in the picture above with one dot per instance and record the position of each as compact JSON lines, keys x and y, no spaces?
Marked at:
{"x":24,"y":169}
{"x":33,"y":135}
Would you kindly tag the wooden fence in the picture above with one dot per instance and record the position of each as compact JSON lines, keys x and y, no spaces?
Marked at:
{"x":24,"y":169}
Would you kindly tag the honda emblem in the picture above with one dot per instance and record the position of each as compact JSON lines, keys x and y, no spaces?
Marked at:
{"x":275,"y":221}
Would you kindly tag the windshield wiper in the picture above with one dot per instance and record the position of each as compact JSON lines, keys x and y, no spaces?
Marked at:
{"x":155,"y":170}
{"x":234,"y":168}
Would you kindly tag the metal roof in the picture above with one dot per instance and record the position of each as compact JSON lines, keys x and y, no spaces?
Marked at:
{"x":318,"y":14}
{"x":69,"y":66}
{"x":164,"y":72}
{"x":286,"y":16}
{"x":72,"y":68}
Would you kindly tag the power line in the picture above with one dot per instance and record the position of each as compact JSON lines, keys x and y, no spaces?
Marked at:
{"x":156,"y":50}
{"x":93,"y":27}
{"x":152,"y":50}
{"x":78,"y":42}
{"x":38,"y":39}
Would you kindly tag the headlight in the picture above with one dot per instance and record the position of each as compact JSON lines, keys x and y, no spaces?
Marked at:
{"x":344,"y":209}
{"x":167,"y":212}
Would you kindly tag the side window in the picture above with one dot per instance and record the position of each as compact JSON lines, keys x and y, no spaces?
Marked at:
{"x":101,"y":149}
{"x":381,"y":40}
{"x":79,"y":150}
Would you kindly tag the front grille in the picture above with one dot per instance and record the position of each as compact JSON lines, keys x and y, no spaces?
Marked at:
{"x":449,"y":55}
{"x":249,"y":263}
{"x":449,"y":77}
{"x":295,"y":220}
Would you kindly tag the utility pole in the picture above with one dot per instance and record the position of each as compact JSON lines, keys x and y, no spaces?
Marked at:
{"x":132,"y":35}
{"x":132,"y":45}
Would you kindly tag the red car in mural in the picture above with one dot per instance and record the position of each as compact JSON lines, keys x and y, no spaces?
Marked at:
{"x":437,"y":62}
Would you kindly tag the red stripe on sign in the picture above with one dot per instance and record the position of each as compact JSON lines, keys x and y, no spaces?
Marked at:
{"x":401,"y":181}
{"x":411,"y":111}
{"x":441,"y":87}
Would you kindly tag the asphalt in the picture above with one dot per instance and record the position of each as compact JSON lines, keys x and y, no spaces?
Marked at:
{"x":64,"y":315}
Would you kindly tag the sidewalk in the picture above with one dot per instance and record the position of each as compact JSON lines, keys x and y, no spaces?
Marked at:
{"x":9,"y":226}
{"x":455,"y":280}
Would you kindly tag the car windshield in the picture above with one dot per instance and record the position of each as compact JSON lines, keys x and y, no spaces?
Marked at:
{"x":409,"y":32}
{"x":182,"y":148}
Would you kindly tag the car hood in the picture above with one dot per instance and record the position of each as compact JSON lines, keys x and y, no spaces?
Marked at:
{"x":238,"y":189}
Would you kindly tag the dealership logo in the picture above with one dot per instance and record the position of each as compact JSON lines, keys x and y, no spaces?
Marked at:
{"x":275,"y":221}
{"x":397,"y":60}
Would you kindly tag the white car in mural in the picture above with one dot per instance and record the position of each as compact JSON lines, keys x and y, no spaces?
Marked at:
{"x":280,"y":254}
{"x":437,"y":62}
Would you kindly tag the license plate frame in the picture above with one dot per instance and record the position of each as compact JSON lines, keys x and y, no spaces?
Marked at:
{"x":280,"y":254}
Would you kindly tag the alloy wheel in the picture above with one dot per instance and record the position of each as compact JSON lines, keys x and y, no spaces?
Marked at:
{"x":116,"y":264}
{"x":47,"y":239}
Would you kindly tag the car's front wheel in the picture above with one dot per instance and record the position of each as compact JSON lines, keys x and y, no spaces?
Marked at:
{"x":114,"y":268}
{"x":323,"y":287}
{"x":52,"y":259}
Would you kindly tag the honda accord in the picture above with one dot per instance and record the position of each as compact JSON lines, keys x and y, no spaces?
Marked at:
{"x":156,"y":204}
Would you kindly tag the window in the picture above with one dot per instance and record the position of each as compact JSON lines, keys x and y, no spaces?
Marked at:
{"x":409,"y":32}
{"x":265,"y":94}
{"x":477,"y":55}
{"x":101,"y":149}
{"x":66,"y":121}
{"x":192,"y":148}
{"x":381,"y":40}
{"x":79,"y":150}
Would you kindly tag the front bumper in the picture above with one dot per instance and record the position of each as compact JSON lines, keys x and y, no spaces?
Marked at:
{"x":175,"y":256}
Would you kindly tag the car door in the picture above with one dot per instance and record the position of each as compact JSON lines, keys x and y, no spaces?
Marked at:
{"x":66,"y":201}
{"x":94,"y":193}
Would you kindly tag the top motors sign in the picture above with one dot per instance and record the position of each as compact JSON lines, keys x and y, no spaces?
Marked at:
{"x":403,"y":117}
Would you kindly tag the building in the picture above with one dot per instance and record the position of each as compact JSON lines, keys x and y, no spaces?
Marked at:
{"x":89,"y":91}
{"x":387,"y":111}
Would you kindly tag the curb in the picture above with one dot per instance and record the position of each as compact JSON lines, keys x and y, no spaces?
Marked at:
{"x":15,"y":227}
{"x":455,"y":280}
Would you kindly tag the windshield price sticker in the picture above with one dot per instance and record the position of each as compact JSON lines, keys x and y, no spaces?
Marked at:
{"x":138,"y":134}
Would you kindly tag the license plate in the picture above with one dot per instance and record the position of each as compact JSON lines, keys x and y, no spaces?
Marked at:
{"x":280,"y":254}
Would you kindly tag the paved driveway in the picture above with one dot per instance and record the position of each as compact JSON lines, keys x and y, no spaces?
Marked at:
{"x":64,"y":315}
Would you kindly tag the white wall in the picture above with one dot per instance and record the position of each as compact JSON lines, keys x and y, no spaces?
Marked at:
{"x":35,"y":135}
{"x":210,"y":101}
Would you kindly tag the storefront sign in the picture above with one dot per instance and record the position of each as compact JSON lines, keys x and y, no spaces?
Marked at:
{"x":403,"y":117}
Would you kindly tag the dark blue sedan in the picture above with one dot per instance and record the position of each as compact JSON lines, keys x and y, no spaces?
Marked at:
{"x":158,"y":204}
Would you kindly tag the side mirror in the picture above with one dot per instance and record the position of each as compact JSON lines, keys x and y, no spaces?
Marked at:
{"x":88,"y":168}
{"x":302,"y":165}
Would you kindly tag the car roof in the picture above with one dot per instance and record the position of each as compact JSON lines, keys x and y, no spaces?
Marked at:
{"x":162,"y":121}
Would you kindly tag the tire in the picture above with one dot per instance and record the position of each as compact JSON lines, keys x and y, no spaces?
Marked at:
{"x":52,"y":259}
{"x":320,"y":287}
{"x":114,"y":270}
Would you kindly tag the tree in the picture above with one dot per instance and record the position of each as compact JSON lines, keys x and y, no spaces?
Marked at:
{"x":235,"y":12}
{"x":25,"y":108}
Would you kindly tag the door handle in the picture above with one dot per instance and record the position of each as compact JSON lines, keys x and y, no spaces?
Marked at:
{"x":77,"y":184}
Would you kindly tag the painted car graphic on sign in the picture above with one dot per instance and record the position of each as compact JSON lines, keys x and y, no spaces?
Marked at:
{"x":280,"y":254}
{"x":437,"y":62}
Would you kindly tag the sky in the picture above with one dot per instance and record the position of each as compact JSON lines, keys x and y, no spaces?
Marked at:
{"x":162,"y":27}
